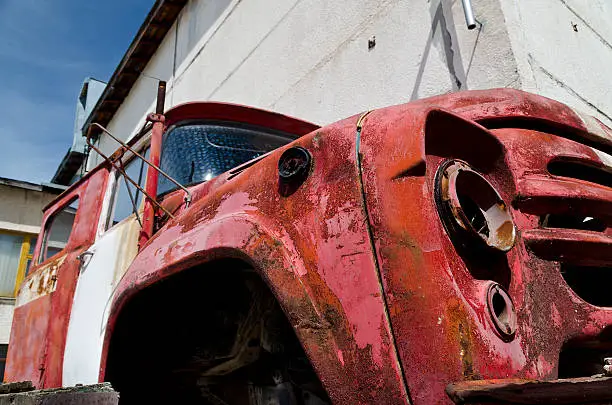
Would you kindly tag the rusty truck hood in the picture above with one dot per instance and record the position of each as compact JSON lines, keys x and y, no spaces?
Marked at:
{"x":437,"y":285}
{"x":379,"y":290}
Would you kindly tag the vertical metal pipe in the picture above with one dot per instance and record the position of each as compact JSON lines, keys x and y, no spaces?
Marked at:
{"x":158,"y":119}
{"x":469,"y":14}
{"x":161,"y":97}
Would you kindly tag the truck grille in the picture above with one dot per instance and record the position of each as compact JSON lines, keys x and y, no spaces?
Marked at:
{"x":573,"y":200}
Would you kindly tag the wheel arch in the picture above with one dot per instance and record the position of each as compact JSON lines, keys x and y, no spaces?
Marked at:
{"x":273,"y":259}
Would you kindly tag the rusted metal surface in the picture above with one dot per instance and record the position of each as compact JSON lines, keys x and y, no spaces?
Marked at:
{"x":25,"y":361}
{"x":592,"y":390}
{"x":468,"y":200}
{"x":43,"y":282}
{"x":116,"y":160}
{"x":42,"y":310}
{"x":390,"y":304}
{"x":437,"y":290}
{"x":148,"y":215}
{"x":311,"y":247}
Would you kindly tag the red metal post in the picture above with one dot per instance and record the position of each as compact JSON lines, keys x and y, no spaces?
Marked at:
{"x":152,"y":174}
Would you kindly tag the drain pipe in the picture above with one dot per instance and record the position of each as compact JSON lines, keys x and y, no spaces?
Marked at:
{"x":469,"y":14}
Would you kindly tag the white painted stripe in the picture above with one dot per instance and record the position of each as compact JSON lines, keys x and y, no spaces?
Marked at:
{"x":112,"y":254}
{"x":87,"y":322}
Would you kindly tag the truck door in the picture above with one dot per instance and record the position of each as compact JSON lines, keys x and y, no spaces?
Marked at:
{"x":103,"y":265}
{"x":44,"y":300}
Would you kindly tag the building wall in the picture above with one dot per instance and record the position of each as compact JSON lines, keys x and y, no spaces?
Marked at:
{"x":91,"y":90}
{"x":21,"y":208}
{"x":310,"y":58}
{"x":565,"y":49}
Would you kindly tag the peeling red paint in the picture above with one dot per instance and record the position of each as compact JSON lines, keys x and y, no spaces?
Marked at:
{"x":389,"y":305}
{"x":436,"y":298}
{"x":314,"y":256}
{"x":50,"y":312}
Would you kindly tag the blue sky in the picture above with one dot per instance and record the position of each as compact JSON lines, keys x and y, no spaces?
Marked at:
{"x":47,"y":48}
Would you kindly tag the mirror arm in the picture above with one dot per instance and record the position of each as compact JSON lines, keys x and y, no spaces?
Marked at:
{"x":119,"y":169}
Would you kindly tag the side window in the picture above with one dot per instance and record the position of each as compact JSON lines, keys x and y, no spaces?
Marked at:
{"x":127,"y":195}
{"x":57,"y":231}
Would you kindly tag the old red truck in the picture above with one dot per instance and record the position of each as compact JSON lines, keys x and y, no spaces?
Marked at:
{"x":456,"y":248}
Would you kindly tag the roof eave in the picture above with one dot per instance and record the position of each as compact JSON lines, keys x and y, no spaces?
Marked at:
{"x":152,"y":32}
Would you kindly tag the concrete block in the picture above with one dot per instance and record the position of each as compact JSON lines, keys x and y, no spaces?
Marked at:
{"x":97,"y":394}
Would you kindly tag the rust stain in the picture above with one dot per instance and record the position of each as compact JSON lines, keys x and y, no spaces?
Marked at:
{"x":461,"y":335}
{"x":41,"y":282}
{"x":506,"y":231}
{"x":311,"y":247}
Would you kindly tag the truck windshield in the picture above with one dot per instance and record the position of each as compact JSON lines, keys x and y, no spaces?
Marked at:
{"x":195,"y":153}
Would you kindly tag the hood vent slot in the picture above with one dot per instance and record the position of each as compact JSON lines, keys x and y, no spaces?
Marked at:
{"x":581,"y":171}
{"x":584,"y":223}
{"x":592,"y":284}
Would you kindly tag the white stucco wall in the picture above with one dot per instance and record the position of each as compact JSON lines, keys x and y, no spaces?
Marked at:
{"x":310,"y":58}
{"x":565,"y":48}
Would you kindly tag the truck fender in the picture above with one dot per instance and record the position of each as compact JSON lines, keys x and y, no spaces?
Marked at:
{"x":241,"y":236}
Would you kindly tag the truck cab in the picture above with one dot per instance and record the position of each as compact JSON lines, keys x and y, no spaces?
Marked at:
{"x":432,"y":252}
